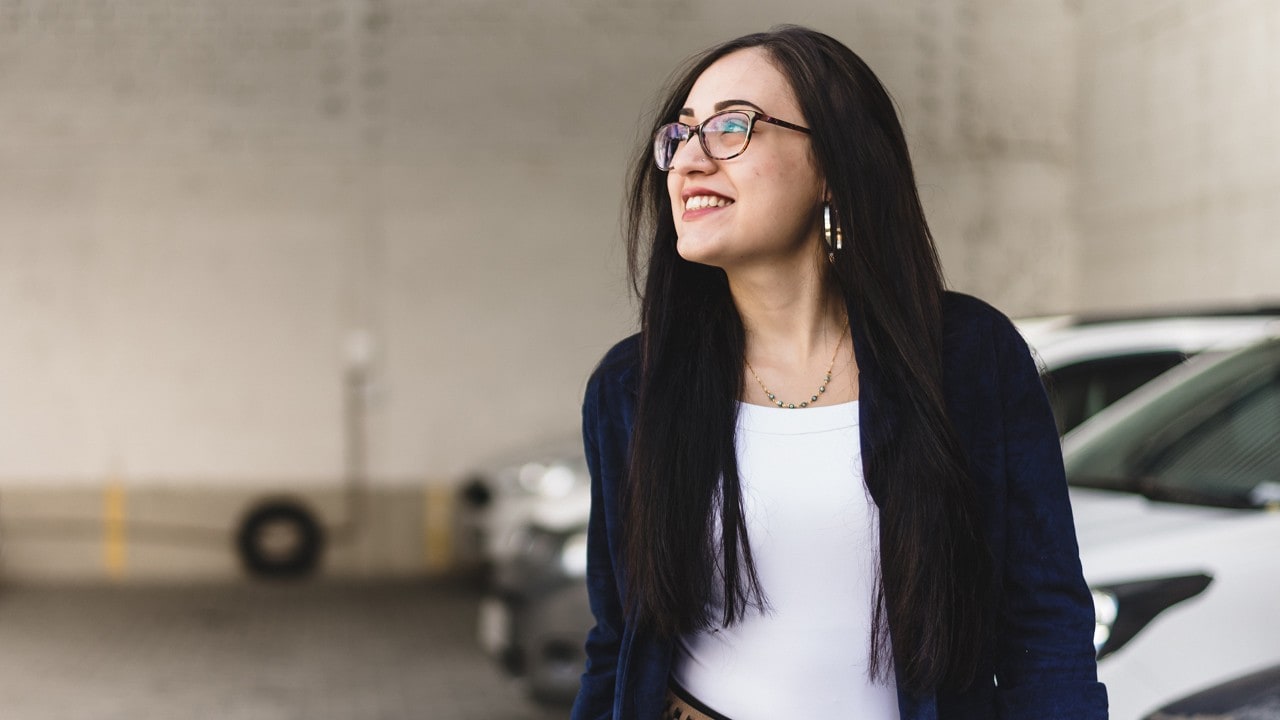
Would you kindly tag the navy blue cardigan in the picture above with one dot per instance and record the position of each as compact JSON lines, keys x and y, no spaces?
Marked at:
{"x":1043,"y":667}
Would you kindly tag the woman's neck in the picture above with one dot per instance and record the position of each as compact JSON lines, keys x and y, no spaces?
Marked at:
{"x":789,"y":320}
{"x":798,"y":351}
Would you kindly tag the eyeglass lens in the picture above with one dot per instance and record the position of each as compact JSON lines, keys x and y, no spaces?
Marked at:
{"x":723,"y":136}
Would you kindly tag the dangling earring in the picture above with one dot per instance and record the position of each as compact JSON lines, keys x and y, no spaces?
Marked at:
{"x":831,"y":231}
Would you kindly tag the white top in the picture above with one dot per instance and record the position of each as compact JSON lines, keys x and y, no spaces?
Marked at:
{"x":814,"y":535}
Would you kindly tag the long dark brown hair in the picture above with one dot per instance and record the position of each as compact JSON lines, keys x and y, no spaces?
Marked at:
{"x":934,"y":589}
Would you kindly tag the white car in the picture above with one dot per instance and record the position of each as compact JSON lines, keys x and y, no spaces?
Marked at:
{"x":1090,"y":363}
{"x":1176,"y":497}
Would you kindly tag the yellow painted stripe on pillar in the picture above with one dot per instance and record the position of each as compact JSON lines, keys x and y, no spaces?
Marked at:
{"x":115,"y":539}
{"x":437,"y":528}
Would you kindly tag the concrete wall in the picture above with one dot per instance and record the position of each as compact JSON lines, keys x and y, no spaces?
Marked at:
{"x":990,"y":113}
{"x":213,"y":214}
{"x":1180,"y":152}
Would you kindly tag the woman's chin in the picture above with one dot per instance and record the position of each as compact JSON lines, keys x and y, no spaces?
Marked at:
{"x":703,"y":252}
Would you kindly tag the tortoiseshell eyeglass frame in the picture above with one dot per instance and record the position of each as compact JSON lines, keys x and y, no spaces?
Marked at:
{"x":753,"y":116}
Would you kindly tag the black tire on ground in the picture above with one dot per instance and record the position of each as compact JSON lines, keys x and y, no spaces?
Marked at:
{"x":280,"y":539}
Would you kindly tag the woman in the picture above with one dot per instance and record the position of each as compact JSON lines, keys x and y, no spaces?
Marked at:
{"x":823,"y":487}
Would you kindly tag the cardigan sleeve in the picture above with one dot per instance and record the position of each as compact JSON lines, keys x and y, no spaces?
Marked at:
{"x":1045,"y":665}
{"x":596,"y":694}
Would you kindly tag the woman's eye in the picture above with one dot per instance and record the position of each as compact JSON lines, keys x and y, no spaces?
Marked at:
{"x":733,"y":126}
{"x":729,"y":125}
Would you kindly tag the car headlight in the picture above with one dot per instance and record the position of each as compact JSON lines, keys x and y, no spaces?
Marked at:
{"x":1122,"y":610}
{"x":573,"y":555}
{"x":556,"y":480}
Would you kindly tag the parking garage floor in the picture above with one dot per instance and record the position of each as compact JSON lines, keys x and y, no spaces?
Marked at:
{"x":313,"y":651}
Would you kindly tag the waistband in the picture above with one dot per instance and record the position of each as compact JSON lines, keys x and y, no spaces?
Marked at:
{"x":680,"y":705}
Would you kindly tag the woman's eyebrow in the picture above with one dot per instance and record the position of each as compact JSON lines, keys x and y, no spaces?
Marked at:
{"x":724,"y":104}
{"x":730,"y":103}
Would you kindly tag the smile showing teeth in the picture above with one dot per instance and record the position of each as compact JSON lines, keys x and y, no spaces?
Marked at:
{"x":699,"y":202}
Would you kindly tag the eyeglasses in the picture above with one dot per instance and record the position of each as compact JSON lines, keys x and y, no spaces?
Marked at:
{"x":723,"y":136}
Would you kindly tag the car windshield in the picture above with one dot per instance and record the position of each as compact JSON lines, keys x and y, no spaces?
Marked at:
{"x":1207,"y":436}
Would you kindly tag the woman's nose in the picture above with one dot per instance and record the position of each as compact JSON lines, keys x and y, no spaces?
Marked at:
{"x":690,"y":157}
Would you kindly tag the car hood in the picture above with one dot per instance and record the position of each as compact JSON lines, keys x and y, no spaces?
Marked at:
{"x":1106,"y":518}
{"x":1126,"y":537}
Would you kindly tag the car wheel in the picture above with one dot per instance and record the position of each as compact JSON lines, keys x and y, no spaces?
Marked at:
{"x":280,"y":539}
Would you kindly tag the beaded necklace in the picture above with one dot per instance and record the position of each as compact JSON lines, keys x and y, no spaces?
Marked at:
{"x":822,"y":389}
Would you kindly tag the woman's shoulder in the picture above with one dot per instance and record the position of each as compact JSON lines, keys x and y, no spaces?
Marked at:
{"x":619,"y":367}
{"x":609,"y":400}
{"x":966,"y":312}
{"x":979,"y":341}
{"x":969,"y":322}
